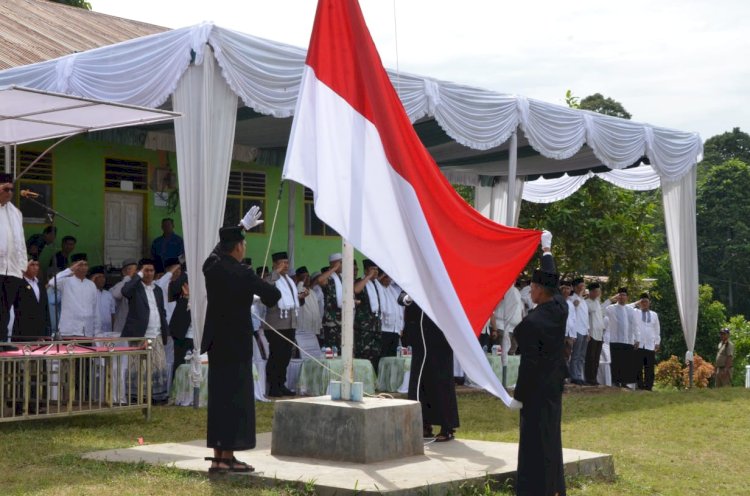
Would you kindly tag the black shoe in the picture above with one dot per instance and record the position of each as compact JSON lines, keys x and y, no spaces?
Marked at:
{"x":274,"y":394}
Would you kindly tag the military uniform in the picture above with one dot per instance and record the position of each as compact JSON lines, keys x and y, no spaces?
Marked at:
{"x":366,"y":330}
{"x":724,"y":361}
{"x":331,"y":316}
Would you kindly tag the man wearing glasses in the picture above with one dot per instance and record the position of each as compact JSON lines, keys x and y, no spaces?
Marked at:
{"x":13,"y":260}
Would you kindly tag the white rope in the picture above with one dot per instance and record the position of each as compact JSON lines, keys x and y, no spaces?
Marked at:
{"x":424,"y":357}
{"x":273,"y":226}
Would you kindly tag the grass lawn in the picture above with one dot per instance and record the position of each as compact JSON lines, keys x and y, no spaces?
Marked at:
{"x":664,"y":443}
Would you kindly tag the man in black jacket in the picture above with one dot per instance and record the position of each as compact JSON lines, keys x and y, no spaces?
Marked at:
{"x":148,"y":318}
{"x":228,"y":339}
{"x":179,"y":325}
{"x":31,"y":310}
{"x":538,"y":392}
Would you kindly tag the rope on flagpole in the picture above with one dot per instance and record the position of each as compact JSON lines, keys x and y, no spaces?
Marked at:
{"x":273,"y":226}
{"x":395,"y":36}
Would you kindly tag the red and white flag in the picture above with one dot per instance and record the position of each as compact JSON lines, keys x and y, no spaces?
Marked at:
{"x":377,"y":186}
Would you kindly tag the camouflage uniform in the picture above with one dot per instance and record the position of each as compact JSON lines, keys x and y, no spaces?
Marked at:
{"x":331,"y":316}
{"x":366,"y":330}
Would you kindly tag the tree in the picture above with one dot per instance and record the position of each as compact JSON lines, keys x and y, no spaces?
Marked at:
{"x":723,"y":228}
{"x":733,"y":144}
{"x":711,"y":315}
{"x":82,"y":4}
{"x":600,"y":229}
{"x":604,"y":105}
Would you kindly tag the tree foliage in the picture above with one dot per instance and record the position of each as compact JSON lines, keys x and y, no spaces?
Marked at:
{"x":604,"y":105}
{"x":723,"y":228}
{"x":82,"y":4}
{"x":600,"y":229}
{"x":733,"y":144}
{"x":711,"y":315}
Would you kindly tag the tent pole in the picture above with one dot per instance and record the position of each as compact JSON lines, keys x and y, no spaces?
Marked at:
{"x":292,"y":210}
{"x":510,"y":214}
{"x":347,"y":318}
{"x":7,"y":159}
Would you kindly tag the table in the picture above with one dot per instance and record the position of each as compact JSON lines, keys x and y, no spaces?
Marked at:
{"x":314,"y":379}
{"x":393,"y":374}
{"x":497,"y":367}
{"x":182,"y":388}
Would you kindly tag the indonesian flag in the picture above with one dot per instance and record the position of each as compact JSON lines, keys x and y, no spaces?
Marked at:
{"x":377,"y":186}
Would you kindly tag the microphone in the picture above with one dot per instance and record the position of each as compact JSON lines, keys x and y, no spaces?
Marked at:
{"x":27,"y":193}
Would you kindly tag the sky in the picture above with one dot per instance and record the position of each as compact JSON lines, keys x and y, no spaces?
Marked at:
{"x":682,"y":64}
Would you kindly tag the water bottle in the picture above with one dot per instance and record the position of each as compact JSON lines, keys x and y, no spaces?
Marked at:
{"x":323,"y":351}
{"x":484,"y":348}
{"x":398,"y":351}
{"x":494,"y":349}
{"x":335,"y":352}
{"x":409,"y":350}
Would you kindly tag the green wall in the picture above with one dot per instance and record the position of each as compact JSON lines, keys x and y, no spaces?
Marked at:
{"x":78,"y":171}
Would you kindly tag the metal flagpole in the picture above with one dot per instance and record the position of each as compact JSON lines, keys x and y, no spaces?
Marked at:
{"x":347,"y":319}
{"x":510,"y":214}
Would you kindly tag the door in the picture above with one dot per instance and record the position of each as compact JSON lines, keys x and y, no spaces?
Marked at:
{"x":123,"y":227}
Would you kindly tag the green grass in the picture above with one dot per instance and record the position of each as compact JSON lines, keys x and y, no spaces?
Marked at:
{"x":664,"y":443}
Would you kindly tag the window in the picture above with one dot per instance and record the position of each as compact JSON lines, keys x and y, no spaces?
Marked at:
{"x":313,"y":225}
{"x":245,"y":190}
{"x":118,"y":170}
{"x":37,"y":179}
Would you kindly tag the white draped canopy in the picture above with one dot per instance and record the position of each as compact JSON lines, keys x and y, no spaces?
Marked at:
{"x":203,"y":69}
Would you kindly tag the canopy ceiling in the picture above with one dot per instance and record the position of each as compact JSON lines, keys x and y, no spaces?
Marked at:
{"x":28,"y":115}
{"x":466,"y":129}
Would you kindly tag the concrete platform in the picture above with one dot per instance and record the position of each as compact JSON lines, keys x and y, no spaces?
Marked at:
{"x":366,"y":432}
{"x":443,"y":467}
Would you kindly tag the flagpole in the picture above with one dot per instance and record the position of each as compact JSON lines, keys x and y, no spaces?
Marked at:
{"x":347,"y":319}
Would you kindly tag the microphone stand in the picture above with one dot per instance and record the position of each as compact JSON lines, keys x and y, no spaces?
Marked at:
{"x":51,"y":215}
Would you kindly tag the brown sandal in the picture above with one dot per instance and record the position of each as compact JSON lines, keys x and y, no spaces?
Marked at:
{"x":443,"y":437}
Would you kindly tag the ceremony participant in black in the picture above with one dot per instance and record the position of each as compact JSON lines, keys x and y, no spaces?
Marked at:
{"x":179,"y":292}
{"x":12,"y":252}
{"x":37,"y":242}
{"x":437,"y":389}
{"x":31,"y":310}
{"x":538,"y":392}
{"x":61,"y":260}
{"x":148,"y":318}
{"x":228,"y":339}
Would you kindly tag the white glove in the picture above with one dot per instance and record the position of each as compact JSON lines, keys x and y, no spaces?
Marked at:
{"x":546,"y":239}
{"x":252,"y":218}
{"x":407,"y":300}
{"x":515,"y":404}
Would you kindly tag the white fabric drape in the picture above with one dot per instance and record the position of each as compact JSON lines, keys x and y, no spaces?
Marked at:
{"x":543,"y":190}
{"x":204,"y":137}
{"x":267,"y":74}
{"x":679,"y":214}
{"x":500,"y":200}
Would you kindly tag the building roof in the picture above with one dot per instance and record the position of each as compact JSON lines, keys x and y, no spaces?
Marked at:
{"x":36,"y":30}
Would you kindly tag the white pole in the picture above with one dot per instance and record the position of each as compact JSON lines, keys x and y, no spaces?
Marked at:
{"x":510,"y":214}
{"x":347,"y":319}
{"x":291,"y":216}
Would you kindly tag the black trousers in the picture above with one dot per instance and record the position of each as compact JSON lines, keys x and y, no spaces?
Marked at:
{"x":646,"y":361}
{"x":389,"y":342}
{"x":279,"y":355}
{"x":591,"y":368}
{"x":181,"y":347}
{"x":9,"y":286}
{"x":624,"y":363}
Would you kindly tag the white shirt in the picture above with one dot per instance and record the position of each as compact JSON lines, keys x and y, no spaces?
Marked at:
{"x":320,"y":298}
{"x":526,"y":299}
{"x":153,"y":329}
{"x":121,"y":314}
{"x":105,"y":302}
{"x":621,"y":324}
{"x":310,"y":319}
{"x":509,"y":312}
{"x":570,"y":324}
{"x":13,"y":260}
{"x":649,"y":330}
{"x":163,"y":283}
{"x":79,"y":314}
{"x":582,"y":314}
{"x":596,"y":319}
{"x":34,"y":283}
{"x":391,"y":313}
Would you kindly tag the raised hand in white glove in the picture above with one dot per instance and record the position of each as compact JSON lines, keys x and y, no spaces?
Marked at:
{"x":546,"y":239}
{"x":515,"y":404}
{"x":252,"y":218}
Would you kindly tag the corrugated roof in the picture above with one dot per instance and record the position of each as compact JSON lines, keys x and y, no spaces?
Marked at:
{"x":36,"y":30}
